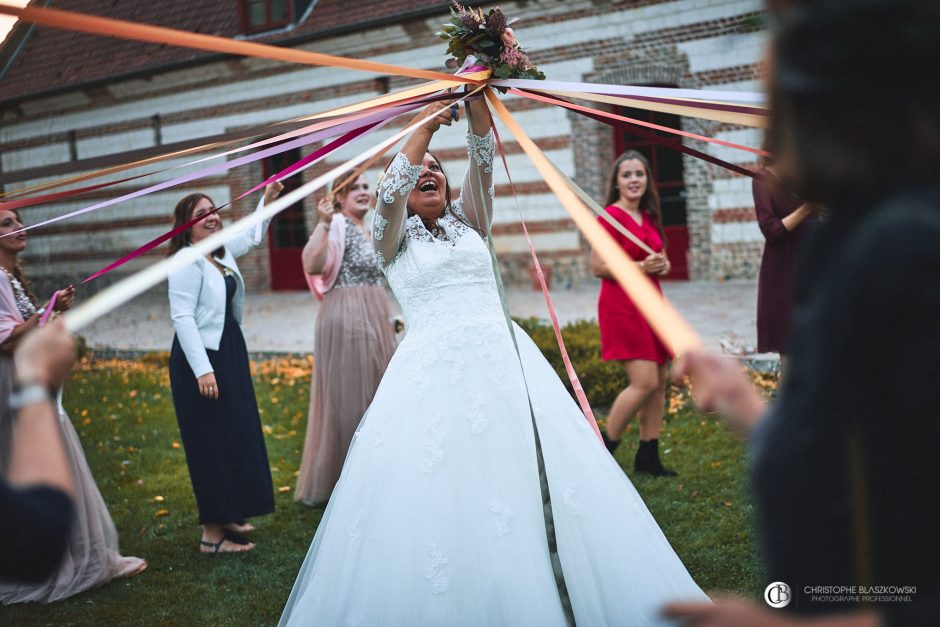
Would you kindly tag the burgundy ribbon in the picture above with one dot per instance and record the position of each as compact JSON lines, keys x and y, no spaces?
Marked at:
{"x":601,"y":116}
{"x":326,"y":149}
{"x":569,"y":368}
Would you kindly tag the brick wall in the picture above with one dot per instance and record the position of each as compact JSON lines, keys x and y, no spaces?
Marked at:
{"x":689,"y":43}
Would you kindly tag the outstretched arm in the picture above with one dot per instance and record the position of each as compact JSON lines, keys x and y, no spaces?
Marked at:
{"x":476,"y":194}
{"x":388,"y":228}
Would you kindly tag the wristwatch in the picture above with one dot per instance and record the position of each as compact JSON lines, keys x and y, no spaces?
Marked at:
{"x":29,"y":394}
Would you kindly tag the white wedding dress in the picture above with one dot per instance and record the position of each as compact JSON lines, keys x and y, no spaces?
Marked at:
{"x":438,"y":517}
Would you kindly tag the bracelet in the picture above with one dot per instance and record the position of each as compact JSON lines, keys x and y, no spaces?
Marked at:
{"x":326,"y":226}
{"x":29,"y":394}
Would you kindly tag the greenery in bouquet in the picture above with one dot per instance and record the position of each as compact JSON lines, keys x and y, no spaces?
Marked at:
{"x":488,"y":39}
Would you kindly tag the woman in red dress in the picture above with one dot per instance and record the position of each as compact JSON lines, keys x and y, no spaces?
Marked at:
{"x":626,"y":337}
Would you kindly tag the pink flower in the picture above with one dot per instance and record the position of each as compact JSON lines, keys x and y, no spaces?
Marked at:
{"x":509,"y":40}
{"x":514,"y":57}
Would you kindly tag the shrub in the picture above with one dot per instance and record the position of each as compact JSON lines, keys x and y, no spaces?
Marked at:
{"x":601,"y":380}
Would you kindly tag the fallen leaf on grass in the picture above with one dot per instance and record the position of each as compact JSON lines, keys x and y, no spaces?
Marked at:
{"x":162,"y":512}
{"x":283,"y":489}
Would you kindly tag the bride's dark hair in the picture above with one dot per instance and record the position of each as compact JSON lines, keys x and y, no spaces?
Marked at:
{"x":448,"y":204}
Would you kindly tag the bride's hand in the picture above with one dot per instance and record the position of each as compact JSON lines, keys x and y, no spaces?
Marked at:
{"x":444,"y":116}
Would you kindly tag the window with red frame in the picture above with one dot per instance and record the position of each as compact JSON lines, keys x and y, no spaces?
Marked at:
{"x":261,"y":15}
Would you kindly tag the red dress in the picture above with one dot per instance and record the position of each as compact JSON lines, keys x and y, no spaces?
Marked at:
{"x":625,"y":334}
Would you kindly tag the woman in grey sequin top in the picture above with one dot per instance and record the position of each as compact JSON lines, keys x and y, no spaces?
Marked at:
{"x":354,"y":339}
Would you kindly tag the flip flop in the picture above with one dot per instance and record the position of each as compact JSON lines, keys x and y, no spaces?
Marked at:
{"x":232,"y":537}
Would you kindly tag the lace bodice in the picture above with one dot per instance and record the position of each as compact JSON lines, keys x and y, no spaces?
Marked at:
{"x":392,"y":228}
{"x":445,"y":278}
{"x":442,"y":284}
{"x":359,"y":266}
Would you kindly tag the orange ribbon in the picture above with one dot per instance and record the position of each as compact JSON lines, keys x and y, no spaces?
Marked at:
{"x":665,"y":321}
{"x":123,"y":29}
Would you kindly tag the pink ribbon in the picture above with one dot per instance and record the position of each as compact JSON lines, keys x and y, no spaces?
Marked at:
{"x":322,"y":152}
{"x":569,"y":369}
{"x":741,"y":97}
{"x":612,"y":120}
{"x":49,"y":309}
{"x":222,"y":167}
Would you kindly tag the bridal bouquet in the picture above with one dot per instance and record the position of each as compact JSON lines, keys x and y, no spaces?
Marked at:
{"x":487,"y":39}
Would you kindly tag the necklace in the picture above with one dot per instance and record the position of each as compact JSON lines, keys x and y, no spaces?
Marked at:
{"x":224,"y":270}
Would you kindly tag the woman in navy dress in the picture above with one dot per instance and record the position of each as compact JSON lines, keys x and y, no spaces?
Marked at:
{"x":211,"y":382}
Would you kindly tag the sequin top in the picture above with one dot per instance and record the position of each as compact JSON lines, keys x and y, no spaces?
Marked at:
{"x":24,"y":304}
{"x":359,"y":266}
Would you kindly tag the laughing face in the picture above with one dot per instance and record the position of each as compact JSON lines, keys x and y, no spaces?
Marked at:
{"x":429,"y":197}
{"x":207,"y":227}
{"x":10,"y":222}
{"x":631,"y":180}
{"x":357,"y":198}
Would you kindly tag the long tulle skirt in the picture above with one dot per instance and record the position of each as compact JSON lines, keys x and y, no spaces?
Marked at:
{"x":439,"y":519}
{"x":92,"y":556}
{"x":354,"y":342}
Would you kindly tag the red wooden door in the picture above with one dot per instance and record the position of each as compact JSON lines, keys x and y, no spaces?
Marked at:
{"x":669,"y":175}
{"x":288,"y":231}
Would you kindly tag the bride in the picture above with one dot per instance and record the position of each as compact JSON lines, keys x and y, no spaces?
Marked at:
{"x":474,"y":492}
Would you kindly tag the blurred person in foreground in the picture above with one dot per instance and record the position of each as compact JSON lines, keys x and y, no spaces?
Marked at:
{"x":845,"y":464}
{"x":36,"y":493}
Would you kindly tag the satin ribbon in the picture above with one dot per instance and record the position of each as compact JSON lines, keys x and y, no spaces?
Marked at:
{"x":665,"y":321}
{"x":569,"y":368}
{"x":401,"y":96}
{"x":19,"y":203}
{"x":121,"y":292}
{"x":227,"y":165}
{"x":706,"y":111}
{"x":313,"y":157}
{"x":134,"y":31}
{"x":49,"y":309}
{"x":606,"y":118}
{"x":752,"y":98}
{"x":614,"y":116}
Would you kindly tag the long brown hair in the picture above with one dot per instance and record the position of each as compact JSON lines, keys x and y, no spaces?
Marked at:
{"x":650,"y":200}
{"x":17,"y":271}
{"x":183,"y":214}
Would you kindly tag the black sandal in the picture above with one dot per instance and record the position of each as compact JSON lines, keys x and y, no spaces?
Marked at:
{"x":234,"y":538}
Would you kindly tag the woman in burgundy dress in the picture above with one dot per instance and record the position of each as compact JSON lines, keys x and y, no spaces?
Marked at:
{"x":626,"y":337}
{"x":784,"y":220}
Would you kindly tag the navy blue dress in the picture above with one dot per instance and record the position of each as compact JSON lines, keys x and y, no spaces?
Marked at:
{"x":224,"y":445}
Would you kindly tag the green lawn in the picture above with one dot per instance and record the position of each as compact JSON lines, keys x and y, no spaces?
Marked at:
{"x":124,"y":414}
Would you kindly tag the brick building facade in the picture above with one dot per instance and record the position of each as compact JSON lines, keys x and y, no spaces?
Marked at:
{"x":71,"y":103}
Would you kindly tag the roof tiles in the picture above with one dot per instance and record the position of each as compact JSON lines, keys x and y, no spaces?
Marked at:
{"x":54,"y":59}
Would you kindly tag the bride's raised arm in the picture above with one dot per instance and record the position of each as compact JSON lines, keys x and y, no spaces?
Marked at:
{"x":388,"y":227}
{"x":476,"y":193}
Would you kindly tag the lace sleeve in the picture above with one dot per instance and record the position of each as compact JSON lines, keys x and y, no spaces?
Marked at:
{"x":390,"y":211}
{"x":476,"y":194}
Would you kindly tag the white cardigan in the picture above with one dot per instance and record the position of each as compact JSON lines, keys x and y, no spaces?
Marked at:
{"x":197,"y":298}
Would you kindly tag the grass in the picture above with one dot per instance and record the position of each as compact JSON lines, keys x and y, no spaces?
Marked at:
{"x":124,"y":415}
